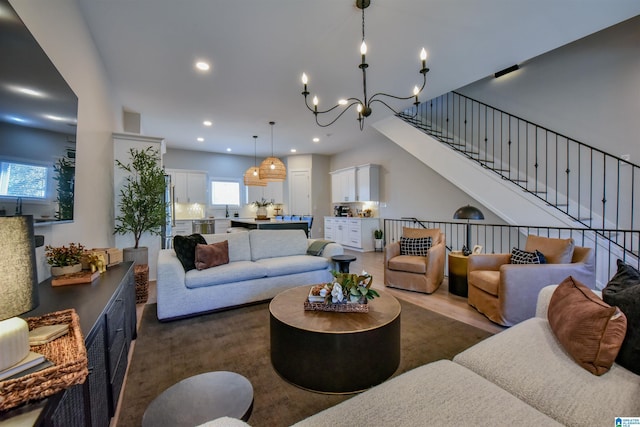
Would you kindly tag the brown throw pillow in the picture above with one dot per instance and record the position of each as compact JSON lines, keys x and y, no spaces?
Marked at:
{"x":212,"y":255}
{"x":556,"y":251}
{"x":589,"y":329}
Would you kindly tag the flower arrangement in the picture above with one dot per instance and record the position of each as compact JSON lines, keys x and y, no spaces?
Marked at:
{"x":345,"y":288}
{"x":263,"y":203}
{"x":64,"y":256}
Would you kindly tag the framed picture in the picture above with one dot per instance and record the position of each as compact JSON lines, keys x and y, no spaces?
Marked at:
{"x":477,"y":249}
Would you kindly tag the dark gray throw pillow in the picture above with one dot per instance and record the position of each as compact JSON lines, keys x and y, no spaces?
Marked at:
{"x":185,"y":247}
{"x":623,"y":291}
{"x":518,"y":256}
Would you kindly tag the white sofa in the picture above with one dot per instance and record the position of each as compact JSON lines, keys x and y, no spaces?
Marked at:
{"x":521,"y":376}
{"x":262,"y":263}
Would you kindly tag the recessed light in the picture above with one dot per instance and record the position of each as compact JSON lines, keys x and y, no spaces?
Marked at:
{"x":207,"y":123}
{"x":316,"y":139}
{"x":293,"y":150}
{"x":202,"y":66}
{"x":200,"y":139}
{"x":228,"y":149}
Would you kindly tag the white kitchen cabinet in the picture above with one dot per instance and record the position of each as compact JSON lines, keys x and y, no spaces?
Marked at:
{"x":189,"y":187}
{"x":181,"y":228}
{"x":343,"y":185}
{"x":352,"y":233}
{"x":368,"y":183}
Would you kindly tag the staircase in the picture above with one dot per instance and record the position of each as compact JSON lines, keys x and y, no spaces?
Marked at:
{"x":523,"y":172}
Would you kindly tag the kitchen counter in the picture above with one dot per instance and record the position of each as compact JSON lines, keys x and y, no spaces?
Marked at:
{"x":270,"y":224}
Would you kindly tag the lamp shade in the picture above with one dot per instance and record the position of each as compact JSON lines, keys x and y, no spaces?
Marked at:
{"x":272,"y":169}
{"x":18,"y":273}
{"x":252,"y":177}
{"x":468,"y":212}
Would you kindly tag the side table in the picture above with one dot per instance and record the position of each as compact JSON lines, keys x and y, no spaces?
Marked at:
{"x":458,"y":274}
{"x":343,"y":262}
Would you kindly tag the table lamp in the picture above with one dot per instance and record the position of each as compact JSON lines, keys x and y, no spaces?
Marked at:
{"x":18,"y":286}
{"x":468,"y":212}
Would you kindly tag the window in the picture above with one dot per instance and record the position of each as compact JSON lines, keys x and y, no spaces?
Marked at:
{"x":225,"y":193}
{"x":23,"y":180}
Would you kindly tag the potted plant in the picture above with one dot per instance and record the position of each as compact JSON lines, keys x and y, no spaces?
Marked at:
{"x":64,"y":259}
{"x":142,"y":204}
{"x":261,"y":212}
{"x":378,"y":236}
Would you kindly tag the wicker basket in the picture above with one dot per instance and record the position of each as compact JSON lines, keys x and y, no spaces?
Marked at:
{"x":141,"y":274}
{"x":68,"y":353}
{"x":349,"y":307}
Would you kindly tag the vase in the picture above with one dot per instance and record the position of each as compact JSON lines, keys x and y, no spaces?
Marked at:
{"x":261,"y":213}
{"x":139,"y":255}
{"x":67,"y":269}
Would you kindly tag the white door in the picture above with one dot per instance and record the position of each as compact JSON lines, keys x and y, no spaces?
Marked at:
{"x":300,"y":192}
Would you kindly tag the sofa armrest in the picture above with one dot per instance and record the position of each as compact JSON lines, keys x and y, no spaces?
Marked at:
{"x":435,"y":261}
{"x":491,"y":262}
{"x":332,"y":249}
{"x":170,"y":273}
{"x":390,"y":251}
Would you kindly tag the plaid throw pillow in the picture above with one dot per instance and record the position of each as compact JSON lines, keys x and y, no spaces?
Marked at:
{"x":519,"y":256}
{"x":415,"y":246}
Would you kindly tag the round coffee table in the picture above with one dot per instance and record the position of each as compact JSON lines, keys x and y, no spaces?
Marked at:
{"x":333,"y":352}
{"x":201,"y":398}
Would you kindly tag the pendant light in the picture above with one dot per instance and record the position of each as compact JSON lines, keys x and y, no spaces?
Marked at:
{"x":272,"y":169}
{"x":252,"y":175}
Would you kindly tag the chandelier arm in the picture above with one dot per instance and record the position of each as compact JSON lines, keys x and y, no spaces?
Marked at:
{"x":313,"y":110}
{"x":385,"y":104}
{"x":339,"y":115}
{"x":403,"y":98}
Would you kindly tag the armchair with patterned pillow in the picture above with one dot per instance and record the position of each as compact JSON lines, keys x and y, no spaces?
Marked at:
{"x":505,"y":287}
{"x":416,"y":262}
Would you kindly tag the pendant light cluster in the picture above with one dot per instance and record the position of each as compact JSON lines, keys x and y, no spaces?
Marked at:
{"x":252,"y":175}
{"x":272,"y":169}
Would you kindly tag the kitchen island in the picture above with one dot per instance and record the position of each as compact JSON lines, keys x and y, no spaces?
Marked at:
{"x":270,"y":224}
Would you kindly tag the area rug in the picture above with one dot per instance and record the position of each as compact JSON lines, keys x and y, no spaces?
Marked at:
{"x":238,"y":340}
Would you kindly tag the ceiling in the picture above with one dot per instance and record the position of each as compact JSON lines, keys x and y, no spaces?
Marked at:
{"x":258,"y":50}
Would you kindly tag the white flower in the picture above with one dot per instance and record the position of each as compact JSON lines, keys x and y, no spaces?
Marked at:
{"x":323,"y":293}
{"x":336,"y":293}
{"x":364,"y":273}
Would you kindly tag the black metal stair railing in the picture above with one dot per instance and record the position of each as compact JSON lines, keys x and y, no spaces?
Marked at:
{"x":595,"y":189}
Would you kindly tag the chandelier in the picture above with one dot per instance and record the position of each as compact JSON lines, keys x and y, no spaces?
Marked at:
{"x":252,"y":175}
{"x":272,"y":168}
{"x":363,"y":105}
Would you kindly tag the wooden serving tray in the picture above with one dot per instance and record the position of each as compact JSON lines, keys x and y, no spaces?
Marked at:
{"x":84,"y":276}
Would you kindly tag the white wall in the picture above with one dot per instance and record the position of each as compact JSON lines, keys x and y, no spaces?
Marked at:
{"x":60,"y":29}
{"x":408,"y":188}
{"x":588,"y":90}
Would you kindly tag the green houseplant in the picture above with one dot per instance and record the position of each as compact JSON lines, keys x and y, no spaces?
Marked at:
{"x":64,"y":259}
{"x":378,"y":236}
{"x":142,"y":204}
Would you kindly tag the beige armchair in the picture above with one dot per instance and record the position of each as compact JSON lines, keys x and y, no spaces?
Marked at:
{"x":507,"y":293}
{"x":416,"y":273}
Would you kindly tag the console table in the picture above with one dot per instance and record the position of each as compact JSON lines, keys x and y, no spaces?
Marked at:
{"x":107,"y":312}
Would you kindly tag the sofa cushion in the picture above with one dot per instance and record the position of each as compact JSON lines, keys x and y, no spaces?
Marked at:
{"x":556,"y":251}
{"x":277,"y":243}
{"x":518,"y":256}
{"x":440,"y":393}
{"x":293,"y":264}
{"x":587,"y":327}
{"x":623,"y":291}
{"x":409,"y":263}
{"x":212,"y":255}
{"x":527,"y":361}
{"x":185,"y":248}
{"x":239,"y":248}
{"x":232,"y":272}
{"x":414,"y":233}
{"x":418,"y":246}
{"x":487,"y":280}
